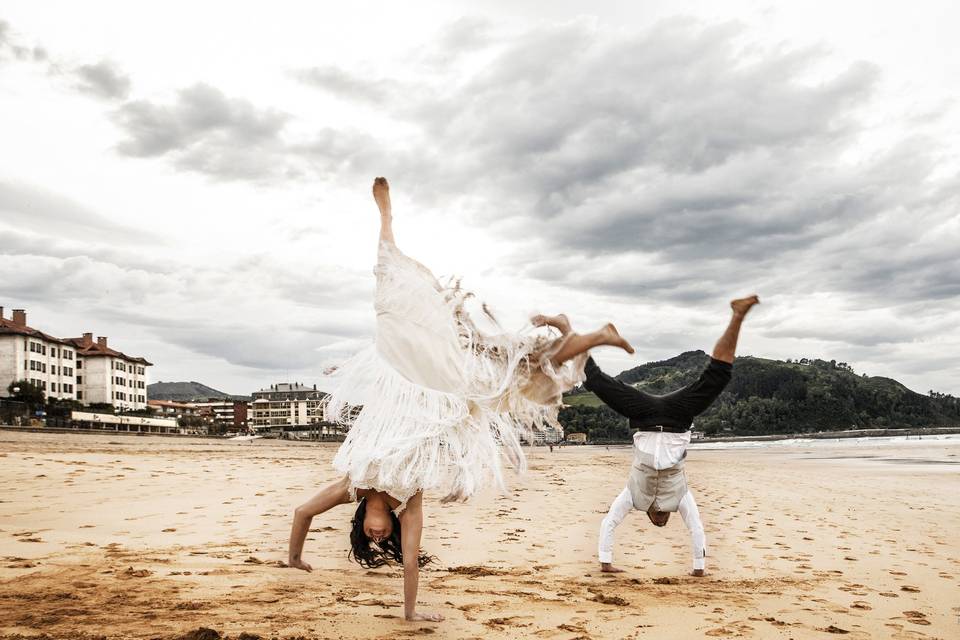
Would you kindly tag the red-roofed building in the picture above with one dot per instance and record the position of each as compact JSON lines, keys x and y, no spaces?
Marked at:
{"x":76,"y":368}
{"x":29,"y":354}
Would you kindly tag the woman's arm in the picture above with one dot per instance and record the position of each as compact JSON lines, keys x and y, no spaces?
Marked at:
{"x":330,"y":496}
{"x":411,"y":528}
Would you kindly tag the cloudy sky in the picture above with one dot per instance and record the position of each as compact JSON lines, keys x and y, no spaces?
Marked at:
{"x":193,"y":179}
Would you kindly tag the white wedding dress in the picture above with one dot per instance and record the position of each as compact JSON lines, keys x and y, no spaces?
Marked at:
{"x":434,"y":403}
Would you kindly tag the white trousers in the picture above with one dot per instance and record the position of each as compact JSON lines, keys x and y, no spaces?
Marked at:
{"x":623,"y":504}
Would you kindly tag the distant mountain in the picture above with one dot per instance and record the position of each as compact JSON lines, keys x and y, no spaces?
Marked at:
{"x":772,"y":396}
{"x":186,"y":392}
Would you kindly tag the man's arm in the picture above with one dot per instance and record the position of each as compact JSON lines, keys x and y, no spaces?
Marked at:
{"x":411,"y":529}
{"x":698,"y":540}
{"x":617,"y":395}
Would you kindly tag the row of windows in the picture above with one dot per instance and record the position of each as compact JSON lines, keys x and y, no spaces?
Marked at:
{"x":120,"y":395}
{"x":54,"y":369}
{"x":123,"y":366}
{"x":123,"y":382}
{"x":54,"y":387}
{"x":38,"y":347}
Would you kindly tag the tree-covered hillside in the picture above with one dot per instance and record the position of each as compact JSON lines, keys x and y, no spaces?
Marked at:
{"x":771,"y":396}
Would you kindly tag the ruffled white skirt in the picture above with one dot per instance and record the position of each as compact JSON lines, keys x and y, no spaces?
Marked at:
{"x":433,"y":404}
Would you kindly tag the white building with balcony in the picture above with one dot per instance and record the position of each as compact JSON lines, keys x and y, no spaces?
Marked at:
{"x":289,"y":407}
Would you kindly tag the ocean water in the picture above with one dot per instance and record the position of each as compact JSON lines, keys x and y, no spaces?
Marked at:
{"x":833,"y":443}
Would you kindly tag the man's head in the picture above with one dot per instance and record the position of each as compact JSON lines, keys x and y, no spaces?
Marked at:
{"x":658,"y":518}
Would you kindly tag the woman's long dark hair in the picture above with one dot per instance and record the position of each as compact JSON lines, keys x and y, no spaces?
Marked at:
{"x":370,"y":554}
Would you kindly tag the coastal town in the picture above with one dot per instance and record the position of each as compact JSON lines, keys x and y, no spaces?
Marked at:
{"x":86,"y":383}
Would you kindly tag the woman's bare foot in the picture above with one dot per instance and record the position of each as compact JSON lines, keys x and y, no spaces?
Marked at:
{"x":615,"y":339}
{"x":606,"y":567}
{"x":741,"y":306}
{"x":559,"y":321}
{"x":424,"y":617}
{"x":381,"y":193}
{"x":300,"y":564}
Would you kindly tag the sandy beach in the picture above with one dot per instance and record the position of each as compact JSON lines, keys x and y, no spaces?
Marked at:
{"x":148,"y":537}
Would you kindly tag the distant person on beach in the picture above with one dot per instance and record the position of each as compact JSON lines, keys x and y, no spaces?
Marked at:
{"x":430,"y":405}
{"x":657,"y":484}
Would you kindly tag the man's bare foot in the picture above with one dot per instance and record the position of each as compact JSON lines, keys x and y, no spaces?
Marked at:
{"x":559,"y":321}
{"x":606,"y":567}
{"x":424,"y":617}
{"x":741,"y":306}
{"x":615,"y":339}
{"x":698,"y":573}
{"x":381,"y":193}
{"x":300,"y":564}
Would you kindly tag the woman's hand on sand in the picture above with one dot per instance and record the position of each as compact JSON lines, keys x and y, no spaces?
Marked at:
{"x":424,"y":617}
{"x":300,"y":564}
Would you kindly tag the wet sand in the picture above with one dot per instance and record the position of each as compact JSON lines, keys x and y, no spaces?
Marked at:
{"x":145,"y":537}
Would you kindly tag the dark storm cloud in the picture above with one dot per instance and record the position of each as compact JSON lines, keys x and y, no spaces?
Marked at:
{"x":226,"y":138}
{"x":205,"y":131}
{"x":201,"y":115}
{"x":103,"y":80}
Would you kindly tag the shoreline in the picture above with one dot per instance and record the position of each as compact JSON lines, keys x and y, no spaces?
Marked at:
{"x":820,"y":435}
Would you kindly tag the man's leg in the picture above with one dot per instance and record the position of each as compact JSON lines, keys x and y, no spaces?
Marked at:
{"x":694,"y":399}
{"x":698,"y":539}
{"x":726,"y":346}
{"x":622,"y":505}
{"x":617,"y":395}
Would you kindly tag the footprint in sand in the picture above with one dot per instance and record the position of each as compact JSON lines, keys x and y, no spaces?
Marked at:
{"x":916,"y":617}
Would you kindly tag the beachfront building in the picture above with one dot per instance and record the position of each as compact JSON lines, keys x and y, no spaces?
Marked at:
{"x":70,"y":368}
{"x":105,"y":375}
{"x":577,"y":438}
{"x":30,"y":354}
{"x":289,"y":407}
{"x":547,"y":435}
{"x":225,"y":414}
{"x":172,"y":408}
{"x":124,"y":423}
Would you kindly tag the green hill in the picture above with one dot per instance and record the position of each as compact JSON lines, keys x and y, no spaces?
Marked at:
{"x":771,"y":396}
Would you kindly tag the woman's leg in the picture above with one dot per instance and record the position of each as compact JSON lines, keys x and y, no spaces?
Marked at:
{"x":573,"y":344}
{"x":381,"y":193}
{"x":559,"y":322}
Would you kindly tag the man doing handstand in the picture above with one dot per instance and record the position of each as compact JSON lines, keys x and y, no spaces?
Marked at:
{"x":657,"y":484}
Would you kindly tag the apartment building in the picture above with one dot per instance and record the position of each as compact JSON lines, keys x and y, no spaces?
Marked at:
{"x":227,"y":415}
{"x":109,"y":376}
{"x":70,"y":368}
{"x":289,"y":407}
{"x":30,"y":354}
